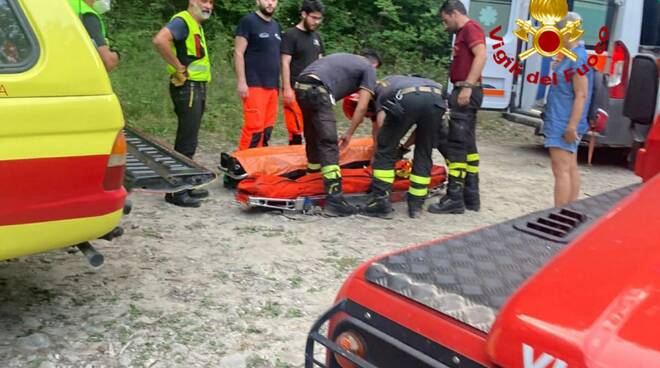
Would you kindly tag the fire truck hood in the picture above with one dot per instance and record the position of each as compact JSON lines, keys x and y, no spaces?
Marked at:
{"x":597,"y":304}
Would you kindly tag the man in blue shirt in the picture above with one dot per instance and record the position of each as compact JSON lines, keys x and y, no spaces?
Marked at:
{"x":182,"y":45}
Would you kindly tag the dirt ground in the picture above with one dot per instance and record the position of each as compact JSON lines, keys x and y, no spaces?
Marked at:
{"x":223,"y":287}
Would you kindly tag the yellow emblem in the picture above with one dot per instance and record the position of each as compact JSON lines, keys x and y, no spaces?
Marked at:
{"x":548,"y":40}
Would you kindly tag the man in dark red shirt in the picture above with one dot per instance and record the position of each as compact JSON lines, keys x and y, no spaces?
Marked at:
{"x":469,"y":58}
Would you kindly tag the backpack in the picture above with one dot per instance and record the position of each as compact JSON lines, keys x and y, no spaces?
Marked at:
{"x":599,"y":107}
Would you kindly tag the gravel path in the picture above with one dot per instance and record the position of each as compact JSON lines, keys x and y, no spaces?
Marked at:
{"x":222,"y":287}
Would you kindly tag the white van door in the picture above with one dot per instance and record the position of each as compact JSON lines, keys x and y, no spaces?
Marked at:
{"x":490,"y":14}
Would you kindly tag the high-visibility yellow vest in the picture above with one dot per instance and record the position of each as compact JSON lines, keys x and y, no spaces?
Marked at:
{"x":81,"y":8}
{"x":200,"y":69}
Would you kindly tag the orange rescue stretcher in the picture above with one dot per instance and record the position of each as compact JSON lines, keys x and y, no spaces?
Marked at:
{"x":276,"y":178}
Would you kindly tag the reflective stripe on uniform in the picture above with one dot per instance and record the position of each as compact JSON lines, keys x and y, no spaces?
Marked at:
{"x":312,"y":166}
{"x":472,"y":157}
{"x":472,"y":169}
{"x":455,"y":173}
{"x":418,"y":192}
{"x":198,"y":68}
{"x":331,"y":172}
{"x":473,"y":163}
{"x":420,"y":179}
{"x":458,"y":166}
{"x":384,"y":175}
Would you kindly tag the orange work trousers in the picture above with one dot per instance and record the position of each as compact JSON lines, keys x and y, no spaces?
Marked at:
{"x":259,"y":115}
{"x":293,"y":118}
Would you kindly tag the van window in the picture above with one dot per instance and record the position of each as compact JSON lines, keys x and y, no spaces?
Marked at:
{"x":594,"y":17}
{"x":491,"y":13}
{"x":18,"y":49}
{"x":651,"y":24}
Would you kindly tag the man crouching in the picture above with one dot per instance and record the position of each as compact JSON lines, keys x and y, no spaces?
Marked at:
{"x":401,"y":102}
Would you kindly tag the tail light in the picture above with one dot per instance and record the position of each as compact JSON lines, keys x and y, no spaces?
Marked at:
{"x":352,"y":342}
{"x":114,"y":172}
{"x":619,"y":70}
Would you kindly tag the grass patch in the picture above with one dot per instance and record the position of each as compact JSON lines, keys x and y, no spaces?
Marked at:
{"x":293,"y":313}
{"x":271,"y":309}
{"x":296,"y":281}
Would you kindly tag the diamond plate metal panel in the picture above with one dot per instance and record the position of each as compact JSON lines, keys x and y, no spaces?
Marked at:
{"x":470,"y":277}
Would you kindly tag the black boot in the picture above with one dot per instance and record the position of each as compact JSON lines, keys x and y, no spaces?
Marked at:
{"x":471,"y":192}
{"x":415,"y":205}
{"x":198,"y":193}
{"x":378,"y":205}
{"x":452,"y":202}
{"x":335,"y":203}
{"x":182,"y":199}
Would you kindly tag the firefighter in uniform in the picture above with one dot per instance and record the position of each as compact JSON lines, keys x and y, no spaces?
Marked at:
{"x":465,"y":74}
{"x":401,"y":102}
{"x":322,"y":83}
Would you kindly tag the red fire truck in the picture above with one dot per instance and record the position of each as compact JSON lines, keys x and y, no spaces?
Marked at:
{"x":571,"y":287}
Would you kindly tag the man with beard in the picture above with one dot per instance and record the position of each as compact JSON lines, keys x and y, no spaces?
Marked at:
{"x":465,"y":74}
{"x":257,"y":62}
{"x":301,"y":45}
{"x":181,"y":43}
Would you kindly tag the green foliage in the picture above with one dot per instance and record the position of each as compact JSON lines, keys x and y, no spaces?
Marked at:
{"x":407,"y":33}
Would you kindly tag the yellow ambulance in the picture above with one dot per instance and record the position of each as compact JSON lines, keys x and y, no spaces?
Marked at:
{"x":62,"y":151}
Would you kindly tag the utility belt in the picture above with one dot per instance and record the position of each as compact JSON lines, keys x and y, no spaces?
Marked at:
{"x":423,"y":89}
{"x":393,"y":106}
{"x":305,"y":86}
{"x":315,"y":88}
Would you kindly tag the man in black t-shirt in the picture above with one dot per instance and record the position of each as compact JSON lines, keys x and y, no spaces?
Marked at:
{"x":301,"y":46}
{"x":323,"y":82}
{"x":257,"y":62}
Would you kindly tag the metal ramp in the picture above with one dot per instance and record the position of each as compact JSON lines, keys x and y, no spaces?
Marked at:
{"x":152,"y":166}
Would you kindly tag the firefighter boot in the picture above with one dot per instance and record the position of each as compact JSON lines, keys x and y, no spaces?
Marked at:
{"x":452,"y":202}
{"x":415,"y":205}
{"x":335,"y":203}
{"x":378,"y":205}
{"x":471,"y":192}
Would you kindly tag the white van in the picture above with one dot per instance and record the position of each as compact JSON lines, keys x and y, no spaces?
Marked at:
{"x":634,"y":27}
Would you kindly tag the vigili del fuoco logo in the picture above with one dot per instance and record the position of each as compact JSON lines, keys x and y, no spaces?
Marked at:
{"x":547,"y":40}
